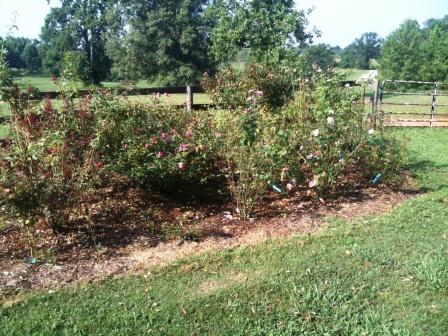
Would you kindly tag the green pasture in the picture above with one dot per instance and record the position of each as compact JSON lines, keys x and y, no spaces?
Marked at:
{"x":385,"y":274}
{"x":353,"y":74}
{"x":44,"y":83}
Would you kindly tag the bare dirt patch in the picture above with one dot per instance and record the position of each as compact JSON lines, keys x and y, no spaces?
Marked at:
{"x":134,"y":244}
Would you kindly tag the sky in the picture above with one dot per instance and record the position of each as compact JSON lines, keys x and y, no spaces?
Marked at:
{"x":340,"y":21}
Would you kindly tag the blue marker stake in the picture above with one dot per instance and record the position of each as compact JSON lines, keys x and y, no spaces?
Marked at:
{"x":377,"y":179}
{"x":32,"y":261}
{"x":277,"y":189}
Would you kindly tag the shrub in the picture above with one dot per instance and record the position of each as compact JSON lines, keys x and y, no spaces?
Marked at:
{"x":309,"y":141}
{"x":275,"y":136}
{"x":158,"y":146}
{"x":231,"y":87}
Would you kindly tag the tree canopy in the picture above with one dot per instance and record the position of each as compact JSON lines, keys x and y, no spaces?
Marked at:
{"x":417,"y":53}
{"x":270,"y":30}
{"x":319,"y":55}
{"x":78,"y":26}
{"x":359,"y":53}
{"x":22,"y":53}
{"x":163,"y":41}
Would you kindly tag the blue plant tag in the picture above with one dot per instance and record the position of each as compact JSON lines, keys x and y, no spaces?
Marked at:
{"x":377,"y":178}
{"x":32,"y":261}
{"x":277,"y":189}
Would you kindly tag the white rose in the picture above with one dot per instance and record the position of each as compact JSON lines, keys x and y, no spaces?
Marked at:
{"x":371,"y":131}
{"x":315,"y":132}
{"x":330,"y":121}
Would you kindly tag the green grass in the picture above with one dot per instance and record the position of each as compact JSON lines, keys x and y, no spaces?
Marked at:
{"x":353,"y":74}
{"x":383,"y":275}
{"x":44,"y":83}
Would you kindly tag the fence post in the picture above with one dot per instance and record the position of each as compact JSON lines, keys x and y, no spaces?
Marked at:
{"x":433,"y":105}
{"x":189,"y":98}
{"x":375,"y":104}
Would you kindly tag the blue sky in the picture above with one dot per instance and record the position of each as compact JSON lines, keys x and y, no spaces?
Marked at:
{"x":340,"y":21}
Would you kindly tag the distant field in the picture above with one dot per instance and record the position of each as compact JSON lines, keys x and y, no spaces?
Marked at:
{"x":353,"y":74}
{"x":44,"y":83}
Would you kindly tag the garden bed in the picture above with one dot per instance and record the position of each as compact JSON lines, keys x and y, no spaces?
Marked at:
{"x":126,"y":240}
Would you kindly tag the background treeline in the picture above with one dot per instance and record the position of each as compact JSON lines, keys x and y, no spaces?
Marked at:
{"x":175,"y":41}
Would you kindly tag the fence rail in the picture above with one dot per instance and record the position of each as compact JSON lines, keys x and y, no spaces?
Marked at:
{"x":381,"y":106}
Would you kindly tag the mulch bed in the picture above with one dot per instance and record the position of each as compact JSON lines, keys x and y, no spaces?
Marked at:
{"x":134,"y":231}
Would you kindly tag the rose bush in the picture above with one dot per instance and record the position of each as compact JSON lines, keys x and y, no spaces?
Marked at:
{"x":275,"y":132}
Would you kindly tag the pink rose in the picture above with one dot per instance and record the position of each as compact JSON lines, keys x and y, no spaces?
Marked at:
{"x":182,"y":165}
{"x":165,"y":136}
{"x":313,"y":182}
{"x":160,"y":154}
{"x":184,"y":147}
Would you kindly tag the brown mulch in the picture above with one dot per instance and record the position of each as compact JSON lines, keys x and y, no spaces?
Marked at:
{"x":134,"y":231}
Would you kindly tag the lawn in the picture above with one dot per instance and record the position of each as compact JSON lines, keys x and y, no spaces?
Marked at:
{"x":382,"y":275}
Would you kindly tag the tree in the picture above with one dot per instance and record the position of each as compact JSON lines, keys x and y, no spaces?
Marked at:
{"x":359,"y":53}
{"x":320,"y":55}
{"x":163,"y":41}
{"x":401,"y":55}
{"x":22,"y":53}
{"x":270,"y":30}
{"x":78,"y":26}
{"x":435,"y":50}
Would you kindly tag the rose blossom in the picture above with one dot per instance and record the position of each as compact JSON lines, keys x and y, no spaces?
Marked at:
{"x":184,"y":147}
{"x":160,"y":154}
{"x":291,"y":185}
{"x":165,"y":136}
{"x":182,"y":165}
{"x":313,"y":182}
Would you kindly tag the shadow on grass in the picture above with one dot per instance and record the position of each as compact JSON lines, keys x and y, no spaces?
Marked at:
{"x":427,"y":167}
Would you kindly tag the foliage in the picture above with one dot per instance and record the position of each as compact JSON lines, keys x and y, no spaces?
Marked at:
{"x":276,"y":133}
{"x":415,"y":53}
{"x":164,"y":41}
{"x":48,"y":160}
{"x":321,"y":56}
{"x":231,"y":87}
{"x":359,"y":53}
{"x":22,"y":53}
{"x":383,"y":158}
{"x":77,"y":26}
{"x":270,"y":30}
{"x":307,"y":141}
{"x":161,"y":147}
{"x":248,"y":166}
{"x":321,"y":133}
